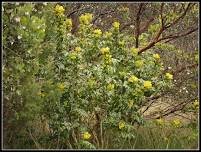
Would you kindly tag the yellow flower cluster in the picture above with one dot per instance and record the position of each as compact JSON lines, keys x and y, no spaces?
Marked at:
{"x":73,"y":56}
{"x":91,"y":83}
{"x":130,"y":103}
{"x":139,"y":63}
{"x":176,"y":122}
{"x":147,"y":84}
{"x":134,"y":51}
{"x":59,"y":10}
{"x":196,"y":104}
{"x":116,"y":25}
{"x":169,"y":76}
{"x":133,"y":79}
{"x":121,"y":125}
{"x":162,"y":68}
{"x":196,"y":58}
{"x":61,"y":86}
{"x":121,"y":43}
{"x":108,"y":59}
{"x":86,"y":135}
{"x":156,"y":56}
{"x":86,"y":18}
{"x":41,"y":94}
{"x":110,"y":87}
{"x":125,"y":9}
{"x":78,"y":49}
{"x":108,"y":34}
{"x":69,"y":24}
{"x":105,"y":50}
{"x":97,"y":33}
{"x":160,"y":121}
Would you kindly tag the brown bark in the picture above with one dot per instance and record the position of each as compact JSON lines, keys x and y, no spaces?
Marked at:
{"x":137,"y":30}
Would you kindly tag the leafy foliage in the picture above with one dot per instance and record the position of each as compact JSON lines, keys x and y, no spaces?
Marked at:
{"x":90,"y":82}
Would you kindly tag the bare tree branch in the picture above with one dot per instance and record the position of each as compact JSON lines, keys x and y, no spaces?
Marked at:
{"x":170,"y":110}
{"x":172,"y":37}
{"x":101,"y":15}
{"x":180,"y":17}
{"x":153,"y":42}
{"x":163,"y":28}
{"x":126,"y":25}
{"x":137,"y":29}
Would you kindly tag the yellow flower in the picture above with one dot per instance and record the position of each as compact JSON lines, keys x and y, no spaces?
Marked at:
{"x":122,"y":43}
{"x":41,"y":94}
{"x":108,"y":59}
{"x":116,"y":25}
{"x":59,"y":10}
{"x":169,"y":76}
{"x":121,"y":125}
{"x":105,"y":50}
{"x":86,"y":19}
{"x":162,"y":68}
{"x":86,"y":135}
{"x":134,"y":51}
{"x":133,"y":79}
{"x":110,"y":87}
{"x":73,"y":56}
{"x":176,"y":122}
{"x":196,"y":104}
{"x":108,"y":34}
{"x":196,"y":58}
{"x":139,"y":63}
{"x":61,"y":86}
{"x":97,"y":32}
{"x":147,"y":84}
{"x":130,"y":103}
{"x":91,"y":83}
{"x":69,"y":23}
{"x":156,"y":56}
{"x":125,"y":9}
{"x":77,"y":49}
{"x":160,"y":121}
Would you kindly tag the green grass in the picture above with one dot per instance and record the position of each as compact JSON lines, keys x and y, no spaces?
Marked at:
{"x":150,"y":136}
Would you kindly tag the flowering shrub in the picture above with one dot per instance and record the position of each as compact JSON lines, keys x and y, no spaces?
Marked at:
{"x":83,"y":84}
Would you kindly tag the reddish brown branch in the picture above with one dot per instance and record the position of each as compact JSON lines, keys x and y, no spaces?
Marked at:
{"x":101,"y":15}
{"x":172,"y":37}
{"x":154,"y":100}
{"x":180,"y":17}
{"x":137,"y":31}
{"x":163,"y":28}
{"x":178,"y":107}
{"x":170,"y":110}
{"x":153,"y":42}
{"x":160,"y":95}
